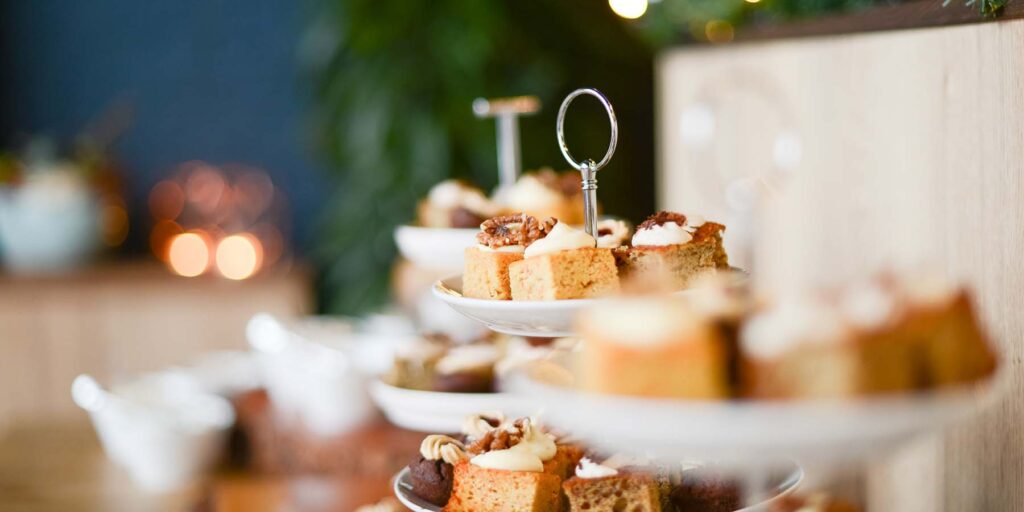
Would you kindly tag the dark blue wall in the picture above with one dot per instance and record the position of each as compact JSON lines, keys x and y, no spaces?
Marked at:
{"x":214,"y":80}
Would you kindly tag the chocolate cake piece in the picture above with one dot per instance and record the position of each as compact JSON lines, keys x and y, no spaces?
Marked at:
{"x":432,"y":480}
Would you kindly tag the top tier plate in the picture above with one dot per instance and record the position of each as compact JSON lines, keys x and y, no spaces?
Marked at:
{"x":542,"y":318}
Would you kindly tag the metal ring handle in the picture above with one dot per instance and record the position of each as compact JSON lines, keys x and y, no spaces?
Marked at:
{"x":611,"y":119}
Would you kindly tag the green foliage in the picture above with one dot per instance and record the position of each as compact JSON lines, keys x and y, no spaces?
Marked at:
{"x":671,"y":20}
{"x":395,"y":87}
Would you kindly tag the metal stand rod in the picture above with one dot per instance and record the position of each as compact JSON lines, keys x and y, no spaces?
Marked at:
{"x":589,"y":186}
{"x":509,"y":164}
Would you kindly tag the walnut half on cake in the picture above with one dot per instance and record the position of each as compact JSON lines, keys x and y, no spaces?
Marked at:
{"x":675,"y":247}
{"x":501,"y":242}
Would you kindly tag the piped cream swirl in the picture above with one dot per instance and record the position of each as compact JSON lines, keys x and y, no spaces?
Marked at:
{"x":440,"y":447}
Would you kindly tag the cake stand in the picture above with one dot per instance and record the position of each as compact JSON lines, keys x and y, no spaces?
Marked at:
{"x":435,"y":248}
{"x":781,"y":484}
{"x":543,"y":318}
{"x":442,"y":412}
{"x":745,"y":432}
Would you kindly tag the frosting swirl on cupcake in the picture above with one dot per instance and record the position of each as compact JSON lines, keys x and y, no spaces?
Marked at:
{"x":440,"y":447}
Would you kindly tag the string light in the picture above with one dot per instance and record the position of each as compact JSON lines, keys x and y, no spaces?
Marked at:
{"x":629,"y":9}
{"x":239,"y":256}
{"x":188,"y":254}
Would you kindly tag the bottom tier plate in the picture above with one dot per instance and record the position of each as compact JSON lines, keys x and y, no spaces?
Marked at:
{"x":783,"y":483}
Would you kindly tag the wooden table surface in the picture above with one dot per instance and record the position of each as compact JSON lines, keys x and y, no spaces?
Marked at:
{"x":59,"y":466}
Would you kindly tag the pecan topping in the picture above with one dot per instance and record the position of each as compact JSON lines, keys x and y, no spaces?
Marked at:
{"x":498,"y":439}
{"x":516,"y":229}
{"x":661,"y":218}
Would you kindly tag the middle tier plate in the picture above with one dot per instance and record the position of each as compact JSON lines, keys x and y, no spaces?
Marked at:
{"x":541,"y":318}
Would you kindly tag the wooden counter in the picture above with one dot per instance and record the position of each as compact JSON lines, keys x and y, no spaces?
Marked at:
{"x":115,"y":321}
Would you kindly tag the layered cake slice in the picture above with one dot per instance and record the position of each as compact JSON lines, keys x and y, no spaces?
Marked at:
{"x":600,"y":488}
{"x":657,"y":347}
{"x":674,"y":247}
{"x":514,"y":468}
{"x":565,"y":264}
{"x":501,"y":242}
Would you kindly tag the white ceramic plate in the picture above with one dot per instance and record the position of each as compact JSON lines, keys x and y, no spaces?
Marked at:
{"x":777,"y":487}
{"x":742,"y":432}
{"x":434,"y":411}
{"x":435,"y":248}
{"x":549,"y":318}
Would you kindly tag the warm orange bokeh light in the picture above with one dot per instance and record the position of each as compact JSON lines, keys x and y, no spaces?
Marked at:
{"x":188,"y":254}
{"x":166,"y":200}
{"x":239,"y":256}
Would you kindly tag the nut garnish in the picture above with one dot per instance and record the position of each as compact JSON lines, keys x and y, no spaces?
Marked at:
{"x":439,"y":447}
{"x":661,"y":218}
{"x":516,"y":229}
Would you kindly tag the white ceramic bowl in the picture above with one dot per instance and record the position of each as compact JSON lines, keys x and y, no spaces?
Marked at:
{"x":435,"y":411}
{"x":435,"y":248}
{"x":163,"y":428}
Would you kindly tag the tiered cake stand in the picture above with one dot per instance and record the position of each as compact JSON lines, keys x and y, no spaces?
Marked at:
{"x":763,"y":442}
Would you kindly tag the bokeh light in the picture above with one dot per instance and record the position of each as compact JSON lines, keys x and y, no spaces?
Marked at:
{"x":629,"y":9}
{"x":189,"y":254}
{"x":239,"y":256}
{"x":166,"y":200}
{"x":719,"y":31}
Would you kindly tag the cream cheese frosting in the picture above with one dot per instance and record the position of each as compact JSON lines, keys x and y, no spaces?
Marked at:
{"x":590,"y":469}
{"x":467,"y":357}
{"x":790,"y":324}
{"x":531,"y":194}
{"x":618,"y":233}
{"x":560,"y":238}
{"x":440,"y":447}
{"x":669,"y":233}
{"x":529,"y":454}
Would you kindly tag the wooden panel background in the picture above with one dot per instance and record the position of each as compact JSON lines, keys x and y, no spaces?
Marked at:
{"x":117,"y":322}
{"x":912,"y":152}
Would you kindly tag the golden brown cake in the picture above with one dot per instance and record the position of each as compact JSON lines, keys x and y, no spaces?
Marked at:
{"x":656,"y":347}
{"x":941,"y":320}
{"x":574,"y":274}
{"x":879,"y":336}
{"x":486,"y":274}
{"x":807,"y":349}
{"x":596,"y":488}
{"x":564,"y":264}
{"x":480,"y":489}
{"x":675,"y":248}
{"x":514,"y":467}
{"x":818,"y":502}
{"x":501,"y":242}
